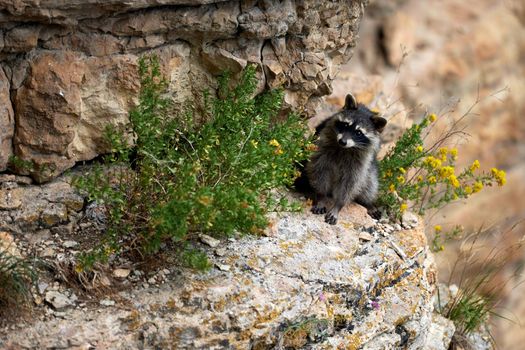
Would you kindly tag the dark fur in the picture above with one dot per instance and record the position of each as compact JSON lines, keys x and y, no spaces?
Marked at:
{"x":340,"y":175}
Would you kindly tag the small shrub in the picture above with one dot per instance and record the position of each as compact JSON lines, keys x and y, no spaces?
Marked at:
{"x":219,"y":177}
{"x":427,"y":178}
{"x":478,"y":271}
{"x":16,"y":276}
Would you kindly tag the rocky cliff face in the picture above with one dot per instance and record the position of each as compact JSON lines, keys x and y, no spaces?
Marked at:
{"x":68,"y":69}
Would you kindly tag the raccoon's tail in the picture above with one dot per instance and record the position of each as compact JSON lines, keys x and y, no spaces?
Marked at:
{"x":302,"y":184}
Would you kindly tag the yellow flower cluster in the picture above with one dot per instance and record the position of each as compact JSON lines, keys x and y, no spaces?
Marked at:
{"x":419,"y":148}
{"x":454,"y":181}
{"x":432,"y":117}
{"x":475,"y":166}
{"x":478,"y":186}
{"x":499,"y":175}
{"x":446,"y":171}
{"x":276,"y":144}
{"x":433,"y":162}
{"x":438,"y":228}
{"x":443,"y":151}
{"x":403,"y":207}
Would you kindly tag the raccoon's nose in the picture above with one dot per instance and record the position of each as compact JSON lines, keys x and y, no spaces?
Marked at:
{"x":342,"y":142}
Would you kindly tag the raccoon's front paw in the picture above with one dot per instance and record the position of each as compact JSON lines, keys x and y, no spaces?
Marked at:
{"x":330,"y":219}
{"x":318,"y":209}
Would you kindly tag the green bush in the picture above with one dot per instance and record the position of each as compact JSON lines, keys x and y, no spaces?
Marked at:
{"x":183,"y":177}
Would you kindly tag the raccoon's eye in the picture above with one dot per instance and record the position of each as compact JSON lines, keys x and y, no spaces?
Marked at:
{"x":359,"y":133}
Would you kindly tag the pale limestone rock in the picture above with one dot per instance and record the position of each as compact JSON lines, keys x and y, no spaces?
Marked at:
{"x":8,"y":245}
{"x":440,"y":333}
{"x":121,"y":273}
{"x":58,"y":300}
{"x":210,"y":241}
{"x":10,"y":198}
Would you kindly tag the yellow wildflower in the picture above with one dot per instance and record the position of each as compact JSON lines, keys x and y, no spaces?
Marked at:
{"x":401,"y":179}
{"x":446,"y":171}
{"x":388,"y":173}
{"x":478,"y":186}
{"x":432,"y":162}
{"x":443,"y":151}
{"x":392,"y":188}
{"x":500,"y":176}
{"x":454,"y":181}
{"x":278,"y":151}
{"x":402,"y":170}
{"x":79,"y":268}
{"x":419,"y":148}
{"x":420,"y":178}
{"x":432,"y":179}
{"x":254,"y":143}
{"x":274,"y":143}
{"x":454,"y":153}
{"x":403,"y":207}
{"x":468,"y":189}
{"x":432,"y":118}
{"x":438,"y":228}
{"x":475,"y":165}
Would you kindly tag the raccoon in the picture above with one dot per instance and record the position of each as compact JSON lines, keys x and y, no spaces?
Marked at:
{"x":344,"y":167}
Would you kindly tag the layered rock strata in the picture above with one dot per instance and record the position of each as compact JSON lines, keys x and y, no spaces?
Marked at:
{"x":68,"y":69}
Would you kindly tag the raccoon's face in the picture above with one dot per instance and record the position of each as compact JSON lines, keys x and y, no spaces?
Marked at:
{"x":356,"y":126}
{"x":350,"y":133}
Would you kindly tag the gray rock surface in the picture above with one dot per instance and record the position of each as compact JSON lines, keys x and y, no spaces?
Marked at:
{"x":305,"y":285}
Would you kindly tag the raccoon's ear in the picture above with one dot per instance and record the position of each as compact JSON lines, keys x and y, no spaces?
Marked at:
{"x":350,"y":102}
{"x":379,"y":123}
